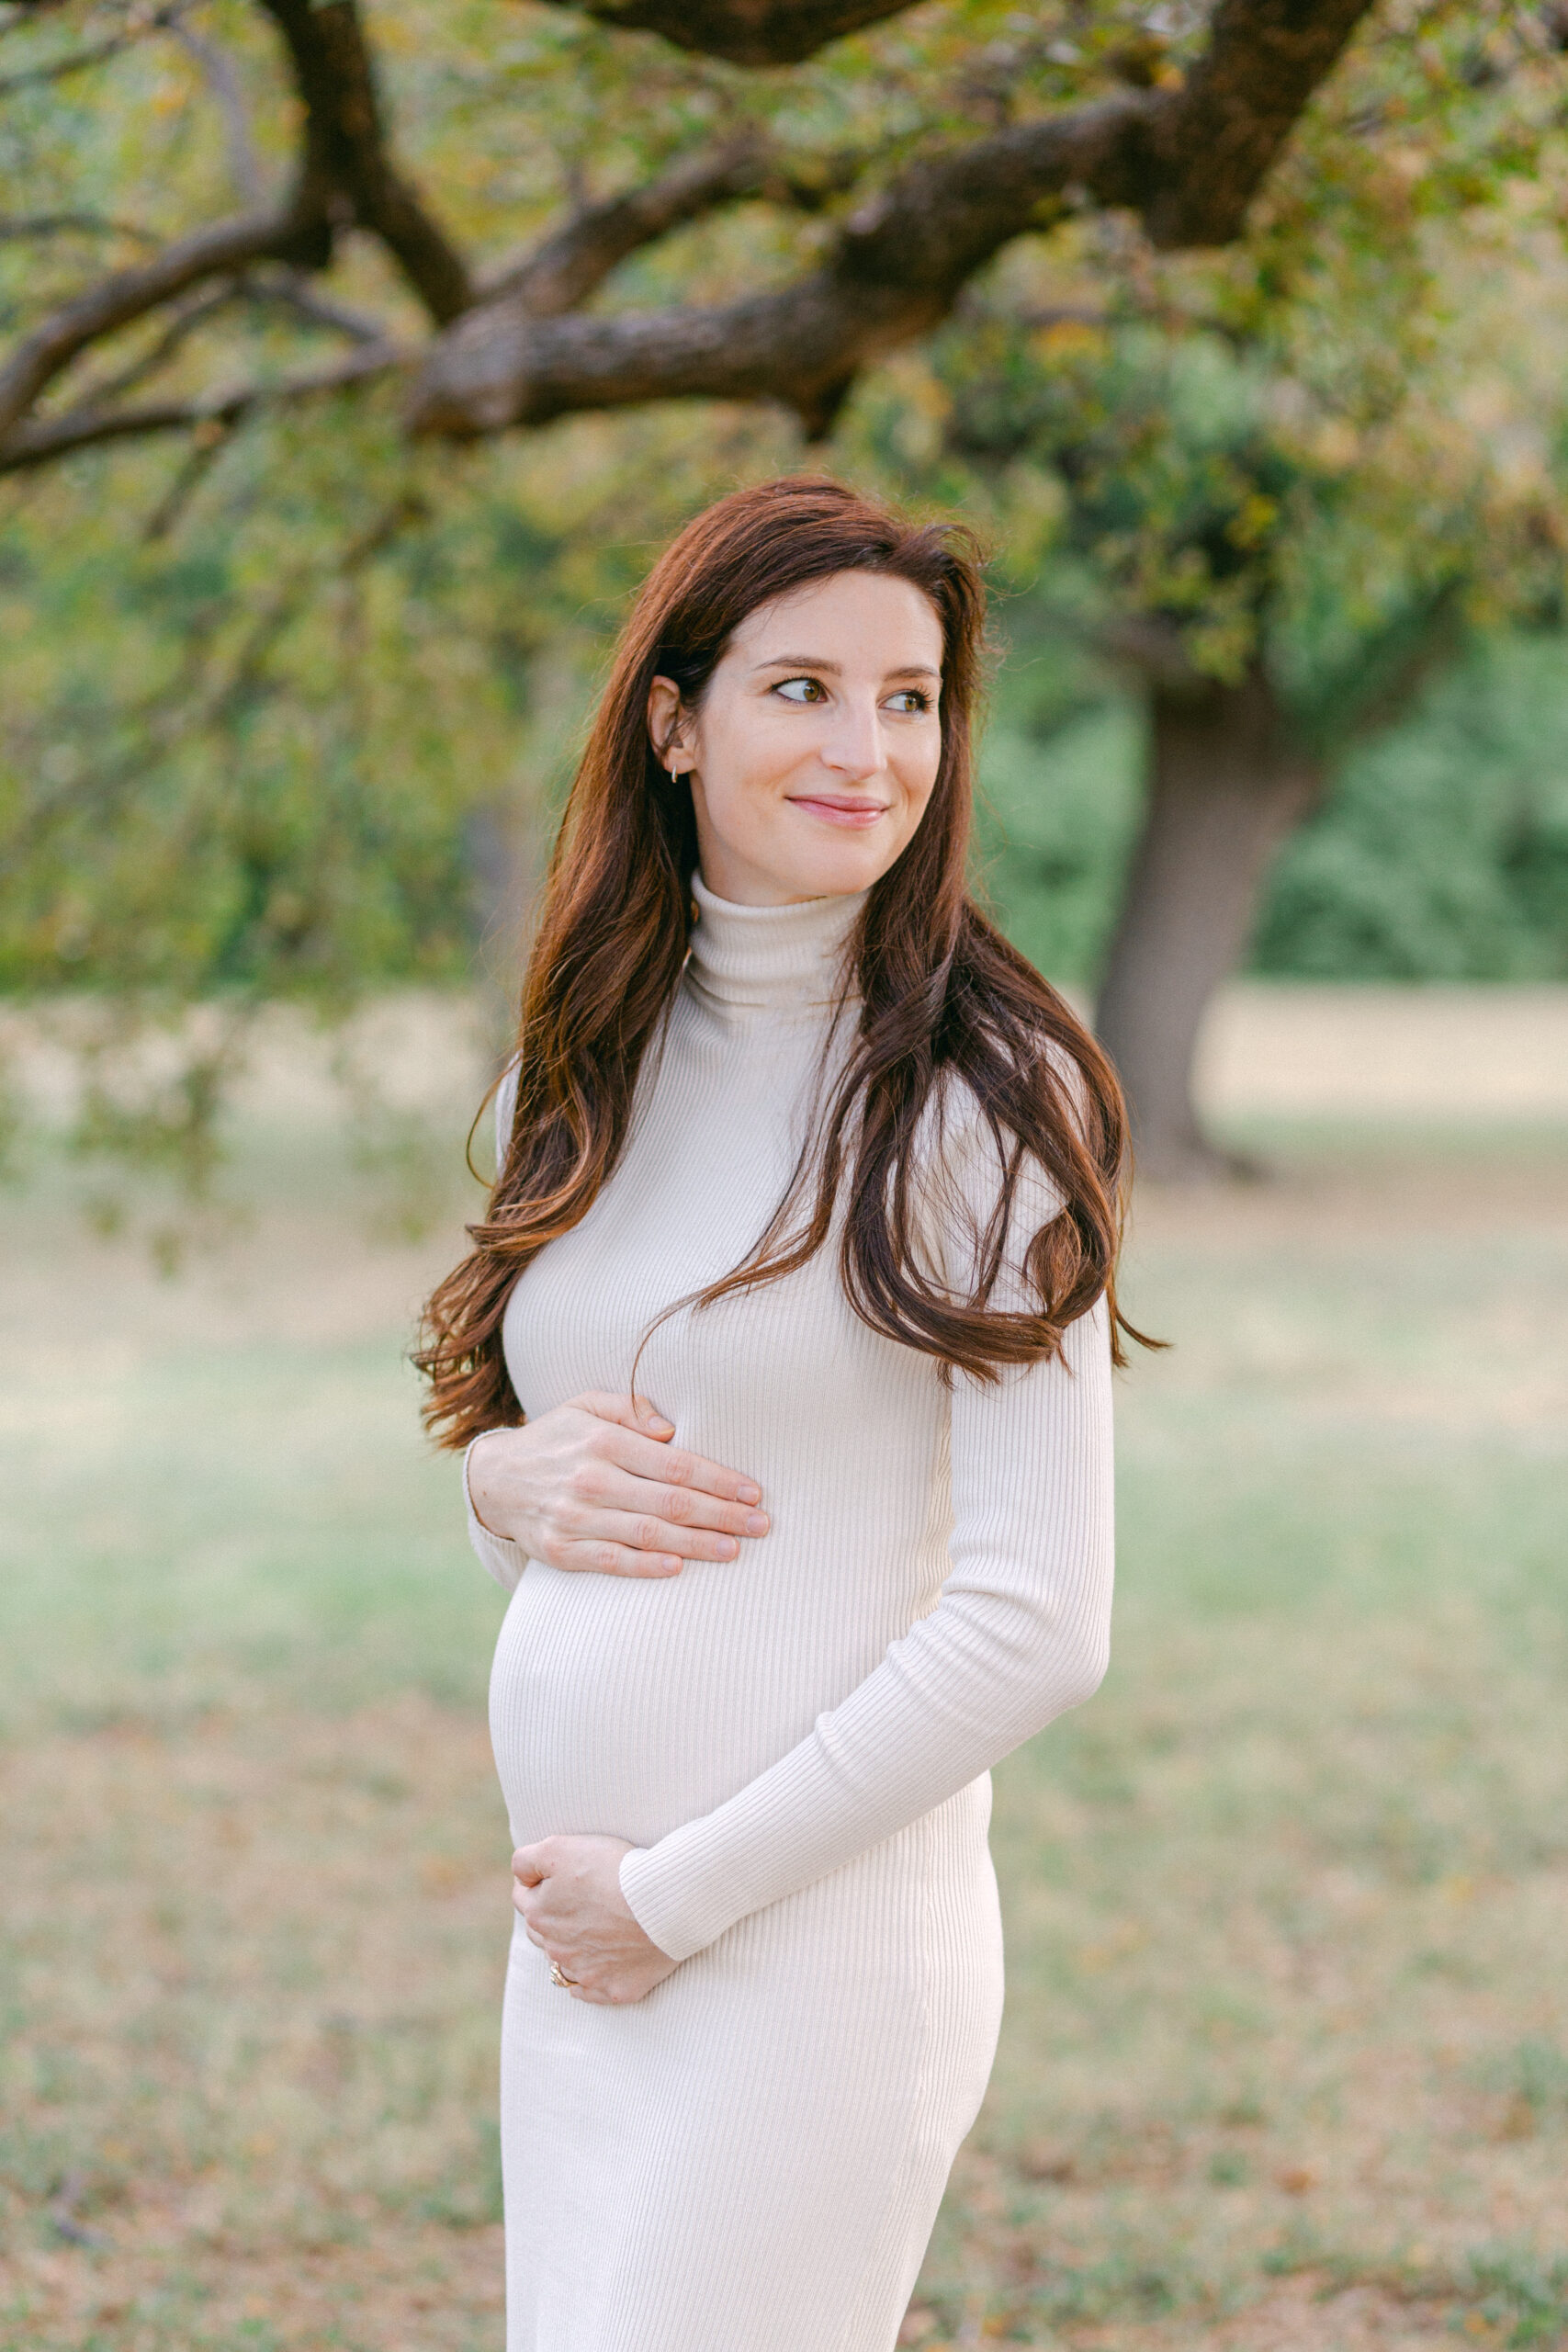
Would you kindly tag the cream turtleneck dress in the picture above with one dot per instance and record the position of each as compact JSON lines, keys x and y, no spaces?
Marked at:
{"x":797,"y":1742}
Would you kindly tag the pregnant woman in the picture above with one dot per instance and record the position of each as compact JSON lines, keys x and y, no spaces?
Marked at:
{"x":783,"y":1363}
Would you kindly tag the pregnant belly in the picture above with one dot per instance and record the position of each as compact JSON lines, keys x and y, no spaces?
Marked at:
{"x":629,"y":1706}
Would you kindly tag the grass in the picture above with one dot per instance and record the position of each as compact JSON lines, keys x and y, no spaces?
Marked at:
{"x":1286,"y":2053}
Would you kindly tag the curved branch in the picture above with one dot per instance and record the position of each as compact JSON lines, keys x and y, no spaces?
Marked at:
{"x":16,"y":226}
{"x":898,"y":266}
{"x":239,"y":139}
{"x":744,"y":32}
{"x":500,"y":366}
{"x":343,"y":173}
{"x":1241,"y":101}
{"x":46,"y":439}
{"x":575,"y":259}
{"x":78,"y":60}
{"x":178,"y":329}
{"x":347,"y":167}
{"x":130,"y":294}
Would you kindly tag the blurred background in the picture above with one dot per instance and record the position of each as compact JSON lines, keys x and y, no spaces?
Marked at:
{"x":356,"y":363}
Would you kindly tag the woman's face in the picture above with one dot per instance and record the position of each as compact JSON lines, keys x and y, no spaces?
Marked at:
{"x":814,"y":751}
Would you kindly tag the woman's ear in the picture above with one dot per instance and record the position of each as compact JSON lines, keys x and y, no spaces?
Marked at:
{"x":664,"y":723}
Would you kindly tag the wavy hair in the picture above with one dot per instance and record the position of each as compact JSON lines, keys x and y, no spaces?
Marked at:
{"x":943,"y":998}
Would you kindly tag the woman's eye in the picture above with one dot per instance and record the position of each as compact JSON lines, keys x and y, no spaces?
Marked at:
{"x":801,"y":690}
{"x":910,"y":699}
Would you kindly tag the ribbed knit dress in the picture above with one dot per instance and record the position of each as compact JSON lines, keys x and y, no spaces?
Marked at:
{"x":797,"y":1742}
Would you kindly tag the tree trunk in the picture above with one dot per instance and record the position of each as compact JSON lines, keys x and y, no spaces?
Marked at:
{"x":1225,"y":787}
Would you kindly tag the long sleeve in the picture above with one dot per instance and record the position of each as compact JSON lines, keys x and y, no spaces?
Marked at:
{"x":499,"y":1556}
{"x":500,"y":1559}
{"x":1018,"y":1634}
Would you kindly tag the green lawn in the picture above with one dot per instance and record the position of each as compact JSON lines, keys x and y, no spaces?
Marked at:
{"x":1286,"y":2056}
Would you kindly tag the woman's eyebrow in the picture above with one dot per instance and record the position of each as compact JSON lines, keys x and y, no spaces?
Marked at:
{"x":835,"y":669}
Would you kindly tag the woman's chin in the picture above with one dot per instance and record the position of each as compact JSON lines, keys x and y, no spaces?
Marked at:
{"x":840,"y":864}
{"x":826,"y":862}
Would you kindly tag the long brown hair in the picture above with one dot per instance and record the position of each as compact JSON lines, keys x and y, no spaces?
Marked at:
{"x":944,"y":996}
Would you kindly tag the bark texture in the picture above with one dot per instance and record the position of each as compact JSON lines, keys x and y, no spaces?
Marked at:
{"x":1225,"y":787}
{"x":744,"y":32}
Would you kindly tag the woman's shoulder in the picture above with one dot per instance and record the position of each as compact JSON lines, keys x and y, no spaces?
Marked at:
{"x":978,"y":1126}
{"x":979,"y":1188}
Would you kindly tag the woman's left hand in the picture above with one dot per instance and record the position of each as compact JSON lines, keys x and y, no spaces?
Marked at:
{"x":568,"y":1894}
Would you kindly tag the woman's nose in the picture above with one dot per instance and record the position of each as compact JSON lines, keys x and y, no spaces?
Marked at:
{"x":854,"y":744}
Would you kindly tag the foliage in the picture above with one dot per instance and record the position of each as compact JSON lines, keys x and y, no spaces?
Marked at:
{"x":1443,"y":854}
{"x":240,"y":760}
{"x":1329,"y":449}
{"x":1440,"y":853}
{"x":283,"y":708}
{"x":1337,"y":453}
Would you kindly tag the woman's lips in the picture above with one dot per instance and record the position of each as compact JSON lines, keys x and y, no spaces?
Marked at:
{"x":857,"y":813}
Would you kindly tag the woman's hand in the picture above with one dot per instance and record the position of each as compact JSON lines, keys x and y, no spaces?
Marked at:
{"x":595,"y":1484}
{"x":567,"y":1892}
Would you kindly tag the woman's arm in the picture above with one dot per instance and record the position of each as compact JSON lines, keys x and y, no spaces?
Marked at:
{"x":1019,"y":1635}
{"x":500,"y":1556}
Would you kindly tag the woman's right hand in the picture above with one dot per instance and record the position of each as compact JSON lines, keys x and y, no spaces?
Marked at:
{"x":595,"y":1484}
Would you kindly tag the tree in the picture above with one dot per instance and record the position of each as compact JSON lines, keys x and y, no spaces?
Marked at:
{"x":1280,"y":487}
{"x":338,"y":357}
{"x":514,"y":342}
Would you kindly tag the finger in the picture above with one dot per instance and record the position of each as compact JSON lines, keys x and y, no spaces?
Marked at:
{"x":644,"y":1531}
{"x":528,"y":1864}
{"x":682,"y":1508}
{"x":677,"y":1467}
{"x":604,"y":1559}
{"x":630,"y":1413}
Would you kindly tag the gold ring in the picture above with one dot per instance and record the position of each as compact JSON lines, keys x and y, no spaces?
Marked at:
{"x":558,"y":1974}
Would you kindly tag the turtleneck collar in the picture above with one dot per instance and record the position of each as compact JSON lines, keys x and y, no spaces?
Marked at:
{"x":784,"y":960}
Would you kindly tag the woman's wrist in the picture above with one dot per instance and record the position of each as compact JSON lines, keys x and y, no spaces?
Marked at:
{"x":471,"y":1488}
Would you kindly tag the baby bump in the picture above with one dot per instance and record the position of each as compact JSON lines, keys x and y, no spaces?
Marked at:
{"x":629,"y":1706}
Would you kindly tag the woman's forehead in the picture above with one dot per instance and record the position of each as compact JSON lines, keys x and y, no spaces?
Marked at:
{"x":851,"y":613}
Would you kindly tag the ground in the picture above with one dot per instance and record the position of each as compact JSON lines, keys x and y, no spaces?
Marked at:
{"x":1286,"y":2054}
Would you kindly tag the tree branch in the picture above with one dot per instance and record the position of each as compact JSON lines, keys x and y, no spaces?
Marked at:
{"x":569,"y":264}
{"x":77,"y":60}
{"x":744,"y":32}
{"x":292,"y":290}
{"x":130,"y":294}
{"x":1186,"y":161}
{"x":218,"y":70}
{"x":177,"y":332}
{"x":343,"y":173}
{"x":289,"y":291}
{"x":902,"y":259}
{"x":348,"y":168}
{"x":1241,"y":101}
{"x":47,"y":438}
{"x":15,"y":226}
{"x":898,"y":268}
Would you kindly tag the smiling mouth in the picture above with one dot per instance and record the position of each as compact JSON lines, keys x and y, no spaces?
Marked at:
{"x":855,"y":813}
